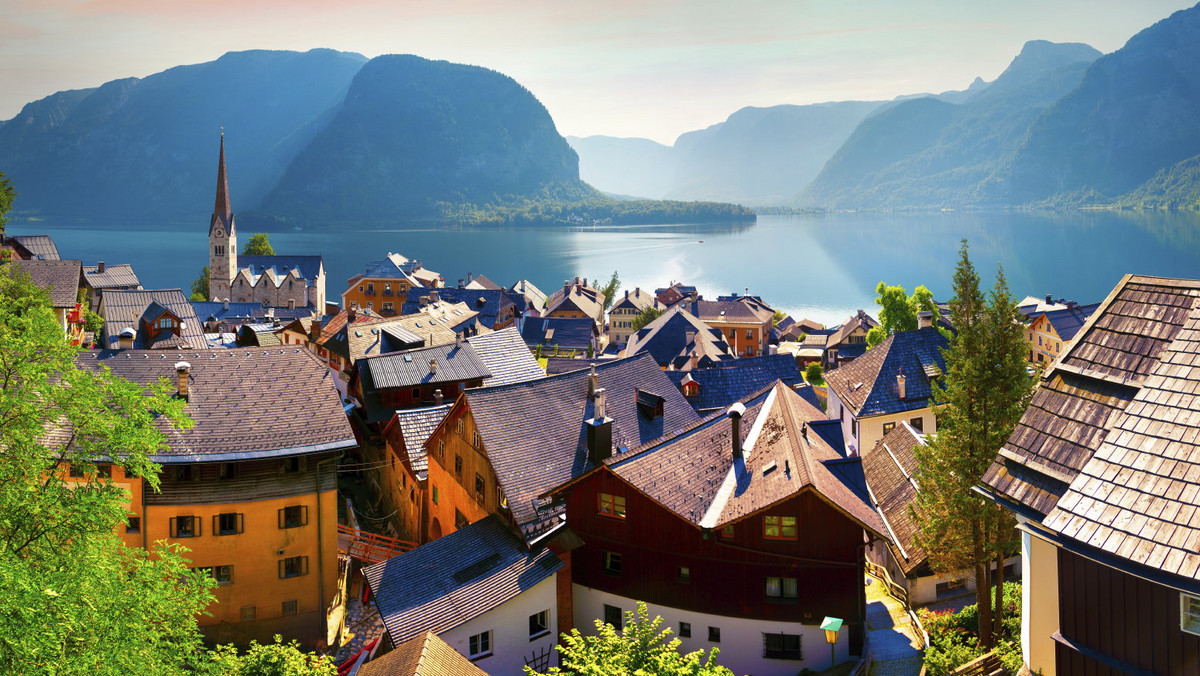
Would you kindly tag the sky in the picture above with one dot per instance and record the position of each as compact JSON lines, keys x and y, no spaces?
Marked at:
{"x":644,"y":68}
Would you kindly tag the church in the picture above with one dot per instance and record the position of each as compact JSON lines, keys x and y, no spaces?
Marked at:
{"x":274,"y":281}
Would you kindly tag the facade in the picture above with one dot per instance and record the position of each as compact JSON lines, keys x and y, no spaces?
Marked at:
{"x":745,"y":321}
{"x":624,"y":311}
{"x":278,"y":281}
{"x":383,"y":286}
{"x":1049,"y":331}
{"x":250,"y":489}
{"x":849,"y":340}
{"x":1101,"y":474}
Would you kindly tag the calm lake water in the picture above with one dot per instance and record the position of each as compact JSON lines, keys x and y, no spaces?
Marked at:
{"x":823,"y":267}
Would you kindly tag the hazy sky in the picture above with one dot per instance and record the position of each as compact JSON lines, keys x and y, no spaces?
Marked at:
{"x":651,"y":68}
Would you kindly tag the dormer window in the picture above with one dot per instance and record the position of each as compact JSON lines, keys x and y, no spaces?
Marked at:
{"x":166,"y":322}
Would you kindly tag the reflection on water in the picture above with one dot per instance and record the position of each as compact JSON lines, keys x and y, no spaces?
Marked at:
{"x":822,"y":266}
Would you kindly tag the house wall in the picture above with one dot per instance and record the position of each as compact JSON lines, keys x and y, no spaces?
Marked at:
{"x":375,"y":293}
{"x":620,"y":325}
{"x":736,"y":335}
{"x":1039,"y":603}
{"x":509,"y":624}
{"x":862,"y":437}
{"x":291,"y":292}
{"x":422,"y":395}
{"x":1044,"y":342}
{"x":456,"y":491}
{"x":741,"y":642}
{"x":395,"y":484}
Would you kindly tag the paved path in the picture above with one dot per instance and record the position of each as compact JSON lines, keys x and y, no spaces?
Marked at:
{"x":364,"y":623}
{"x":891,"y":634}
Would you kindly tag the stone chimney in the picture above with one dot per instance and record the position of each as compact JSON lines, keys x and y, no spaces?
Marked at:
{"x":900,"y":384}
{"x":125,"y":338}
{"x":599,"y":430}
{"x":924,"y":319}
{"x":593,"y":381}
{"x":100,"y":266}
{"x":351,"y":315}
{"x":315,"y":330}
{"x":433,"y":367}
{"x":437,"y":397}
{"x":434,"y":296}
{"x":735,"y":418}
{"x":183,"y":371}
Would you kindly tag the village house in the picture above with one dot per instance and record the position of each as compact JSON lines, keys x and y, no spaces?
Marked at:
{"x":849,"y":340}
{"x":100,"y":277}
{"x":63,"y":280}
{"x":673,"y":293}
{"x":422,"y":655}
{"x":529,"y":299}
{"x":1048,"y":331}
{"x":717,"y":387}
{"x":384,"y":285}
{"x":561,"y":335}
{"x":744,"y":320}
{"x":494,"y":308}
{"x":624,"y":310}
{"x":279,"y":281}
{"x":429,"y":375}
{"x":888,"y":385}
{"x":743,"y":531}
{"x":576,"y":299}
{"x":436,"y":324}
{"x":28,"y":247}
{"x":152,"y":319}
{"x":250,"y":489}
{"x":1101,"y":474}
{"x":678,"y":341}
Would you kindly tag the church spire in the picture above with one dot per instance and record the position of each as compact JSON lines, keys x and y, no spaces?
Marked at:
{"x":222,"y":208}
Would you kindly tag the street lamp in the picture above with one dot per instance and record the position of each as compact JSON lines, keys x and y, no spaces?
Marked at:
{"x":832,"y":625}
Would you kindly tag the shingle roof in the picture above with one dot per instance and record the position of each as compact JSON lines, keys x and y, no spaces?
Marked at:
{"x":1067,"y":322}
{"x":868,"y":384}
{"x":857,"y":320}
{"x":666,"y":340}
{"x":41,"y":247}
{"x":220,"y":311}
{"x":61,"y":278}
{"x":585,"y":299}
{"x":301,"y":412}
{"x":568,"y":333}
{"x":433,"y":325}
{"x":556,"y":365}
{"x":416,"y":424}
{"x":533,"y":432}
{"x":422,"y":655}
{"x":637,"y":299}
{"x":696,"y":476}
{"x":114,"y":276}
{"x":455,"y":578}
{"x":506,"y":356}
{"x":890,"y":469}
{"x":309,"y":267}
{"x":730,"y":381}
{"x":493,"y":304}
{"x":122,"y":308}
{"x":390,"y":267}
{"x":1109,"y":450}
{"x":412,"y":367}
{"x":720,"y":311}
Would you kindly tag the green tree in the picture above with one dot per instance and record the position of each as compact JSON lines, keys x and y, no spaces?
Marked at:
{"x":640,"y":648}
{"x":648,"y":315}
{"x":258,"y":245}
{"x":200,"y":286}
{"x":610,"y":290}
{"x":7,"y":196}
{"x":813,"y":374}
{"x":780,"y":315}
{"x":270,"y":659}
{"x":898,"y":311}
{"x":986,"y":388}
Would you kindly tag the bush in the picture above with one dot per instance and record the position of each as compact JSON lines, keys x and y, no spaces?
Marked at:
{"x":953,"y":639}
{"x":814,"y":374}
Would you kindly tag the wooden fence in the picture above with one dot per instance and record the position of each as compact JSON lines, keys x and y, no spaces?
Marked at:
{"x":987,"y":665}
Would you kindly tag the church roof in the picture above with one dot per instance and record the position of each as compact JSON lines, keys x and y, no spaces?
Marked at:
{"x":222,"y":208}
{"x":308,"y":267}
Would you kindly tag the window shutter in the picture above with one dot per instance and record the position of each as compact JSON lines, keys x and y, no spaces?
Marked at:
{"x":174,"y":527}
{"x":281,"y":523}
{"x":304,"y":519}
{"x":196,"y":523}
{"x":241,"y":523}
{"x":304,"y":565}
{"x":216,"y":524}
{"x":282,"y":573}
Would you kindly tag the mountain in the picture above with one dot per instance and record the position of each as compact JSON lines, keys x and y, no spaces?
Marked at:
{"x":413,"y":133}
{"x":145,"y":148}
{"x":1129,"y":126}
{"x":949,"y":151}
{"x":625,"y":166}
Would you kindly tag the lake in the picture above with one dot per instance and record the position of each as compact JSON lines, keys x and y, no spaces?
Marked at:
{"x":818,"y":266}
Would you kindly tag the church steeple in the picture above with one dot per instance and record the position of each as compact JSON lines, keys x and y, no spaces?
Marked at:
{"x":222,"y":208}
{"x":222,"y":237}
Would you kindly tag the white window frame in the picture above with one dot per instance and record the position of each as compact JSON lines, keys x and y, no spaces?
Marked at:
{"x":540,"y":618}
{"x":1189,"y":618}
{"x":479,"y":645}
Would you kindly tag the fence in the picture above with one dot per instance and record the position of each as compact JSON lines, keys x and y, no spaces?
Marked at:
{"x":900,"y":594}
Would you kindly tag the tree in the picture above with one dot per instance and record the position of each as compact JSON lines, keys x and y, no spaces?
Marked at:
{"x":7,"y":196}
{"x":610,"y":290}
{"x":779,"y":316}
{"x":813,"y":374}
{"x":200,"y":286}
{"x":640,"y":647}
{"x":898,"y":311}
{"x":648,"y":315}
{"x":270,"y":659}
{"x":986,"y":388}
{"x":258,"y":245}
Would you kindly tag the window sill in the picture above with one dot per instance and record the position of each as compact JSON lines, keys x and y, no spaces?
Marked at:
{"x":480,"y":656}
{"x":544,"y":632}
{"x":613,"y":517}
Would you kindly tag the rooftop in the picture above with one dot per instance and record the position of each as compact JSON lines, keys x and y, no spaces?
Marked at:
{"x":416,"y":424}
{"x":125,"y":308}
{"x":567,"y":333}
{"x":61,"y":278}
{"x":890,"y":469}
{"x":114,"y":276}
{"x":675,"y":337}
{"x":734,"y":380}
{"x":489,"y":303}
{"x":423,"y":655}
{"x":40,"y":247}
{"x":868,"y":385}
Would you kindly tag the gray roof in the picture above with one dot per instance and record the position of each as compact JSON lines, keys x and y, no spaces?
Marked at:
{"x":868,"y":385}
{"x":122,"y":308}
{"x":489,"y":303}
{"x":506,"y":356}
{"x":390,"y":267}
{"x":734,"y":380}
{"x":309,"y":267}
{"x":890,"y":469}
{"x":61,"y":278}
{"x":1068,"y":321}
{"x":40,"y":246}
{"x":301,"y":412}
{"x":566,"y":333}
{"x":416,"y":424}
{"x":113,"y":277}
{"x":412,"y":367}
{"x":456,"y":578}
{"x":666,"y":340}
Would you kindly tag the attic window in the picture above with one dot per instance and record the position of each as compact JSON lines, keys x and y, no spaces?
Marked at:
{"x":650,"y":404}
{"x":476,"y":569}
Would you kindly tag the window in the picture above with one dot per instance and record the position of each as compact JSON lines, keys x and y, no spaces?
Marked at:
{"x":435,"y":495}
{"x":293,"y":566}
{"x":458,"y":465}
{"x":133,"y":524}
{"x":222,"y":574}
{"x":888,"y":427}
{"x":460,"y":519}
{"x":459,"y":426}
{"x":612,"y":505}
{"x":389,"y":307}
{"x":227,"y":471}
{"x":612,"y":615}
{"x":416,"y":393}
{"x":779,"y":527}
{"x":749,"y":334}
{"x":185,"y":526}
{"x":685,"y":630}
{"x":248,"y":613}
{"x":1189,"y":613}
{"x":480,"y":487}
{"x":476,"y":440}
{"x":292,"y":465}
{"x":539,"y":624}
{"x":781,"y":646}
{"x":370,"y":305}
{"x":714,"y":634}
{"x":289,"y":608}
{"x":293,"y":517}
{"x":917,"y":423}
{"x":612,"y":563}
{"x":685,"y":574}
{"x":104,"y":471}
{"x":76,"y":471}
{"x":165,"y":323}
{"x":371,"y":289}
{"x":727,"y":533}
{"x":228,"y":524}
{"x":183,"y":473}
{"x":480,"y":645}
{"x":854,"y":428}
{"x":781,"y":587}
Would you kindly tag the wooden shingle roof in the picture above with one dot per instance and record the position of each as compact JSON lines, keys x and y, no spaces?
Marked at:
{"x":423,"y":655}
{"x":890,"y":470}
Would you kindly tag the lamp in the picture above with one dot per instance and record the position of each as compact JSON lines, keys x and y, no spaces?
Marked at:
{"x":832,"y":625}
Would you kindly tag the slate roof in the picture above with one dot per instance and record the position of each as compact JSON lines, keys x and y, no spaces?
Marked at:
{"x":506,"y":356}
{"x":868,"y":386}
{"x":246,"y":402}
{"x":568,"y":333}
{"x":422,"y":655}
{"x":410,"y":368}
{"x":113,"y":277}
{"x":493,"y":304}
{"x":61,"y":278}
{"x":390,"y":267}
{"x":734,"y":380}
{"x":533,"y":296}
{"x":41,"y":247}
{"x":890,"y":469}
{"x":634,"y":300}
{"x":1108,"y":453}
{"x":859,"y":319}
{"x":309,"y":267}
{"x":695,"y":475}
{"x":123,"y":308}
{"x":666,"y":340}
{"x":534,"y":435}
{"x":580,"y":297}
{"x":456,"y":578}
{"x":741,"y":311}
{"x":556,"y":365}
{"x":1067,"y":322}
{"x":416,"y":424}
{"x":221,"y":311}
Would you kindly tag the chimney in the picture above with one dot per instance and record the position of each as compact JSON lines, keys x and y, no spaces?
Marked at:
{"x":351,"y":315}
{"x":599,"y":430}
{"x":225,"y":305}
{"x":423,"y":301}
{"x":460,"y":282}
{"x":125,"y":338}
{"x":183,"y":370}
{"x":924,"y":319}
{"x":468,"y":278}
{"x":689,"y":337}
{"x":1049,"y":299}
{"x":735,"y":417}
{"x":100,"y":266}
{"x":315,"y":330}
{"x":434,"y":296}
{"x":437,"y":397}
{"x":433,"y":367}
{"x":457,"y":339}
{"x":900,"y":383}
{"x":695,"y":360}
{"x":593,"y":381}
{"x":626,"y":294}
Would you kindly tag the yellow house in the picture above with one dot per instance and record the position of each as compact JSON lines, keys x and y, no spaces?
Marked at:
{"x":383,"y":286}
{"x":250,"y":489}
{"x":1050,"y":331}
